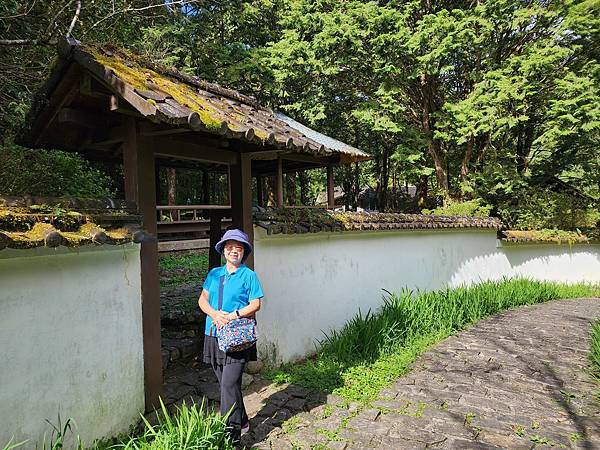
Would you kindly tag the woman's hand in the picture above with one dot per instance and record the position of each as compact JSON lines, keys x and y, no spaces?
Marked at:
{"x":220,"y":319}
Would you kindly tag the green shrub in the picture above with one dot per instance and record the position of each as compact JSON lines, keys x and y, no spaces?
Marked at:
{"x":473,"y":208}
{"x":545,"y":209}
{"x":50,"y":173}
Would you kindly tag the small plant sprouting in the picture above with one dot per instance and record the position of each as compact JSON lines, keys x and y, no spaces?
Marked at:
{"x":568,"y":395}
{"x":541,"y":440}
{"x":575,"y":437}
{"x":519,"y":430}
{"x":469,"y":419}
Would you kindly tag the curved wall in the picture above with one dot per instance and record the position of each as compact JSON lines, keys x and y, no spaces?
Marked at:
{"x":316,"y":282}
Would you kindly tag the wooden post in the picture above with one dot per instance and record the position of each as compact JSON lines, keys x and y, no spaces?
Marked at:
{"x":279,"y":182}
{"x":241,"y":198}
{"x":215,"y":234}
{"x":139,"y":174}
{"x":259,"y":191}
{"x":330,"y":187}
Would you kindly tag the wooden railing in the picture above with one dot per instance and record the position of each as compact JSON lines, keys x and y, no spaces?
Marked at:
{"x":189,"y":213}
{"x":191,"y":218}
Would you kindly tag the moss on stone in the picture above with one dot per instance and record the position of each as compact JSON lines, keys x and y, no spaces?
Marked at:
{"x":119,"y":234}
{"x":127,"y":68}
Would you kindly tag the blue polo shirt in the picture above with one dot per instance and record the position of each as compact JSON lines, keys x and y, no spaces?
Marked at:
{"x":239,"y":288}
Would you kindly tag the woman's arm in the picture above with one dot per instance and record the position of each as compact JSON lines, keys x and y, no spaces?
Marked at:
{"x":246,"y":311}
{"x":219,"y":317}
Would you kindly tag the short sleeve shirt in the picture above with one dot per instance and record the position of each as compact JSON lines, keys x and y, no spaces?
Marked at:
{"x":239,"y":288}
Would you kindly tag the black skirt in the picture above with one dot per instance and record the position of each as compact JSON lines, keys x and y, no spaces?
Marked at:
{"x":213,"y":355}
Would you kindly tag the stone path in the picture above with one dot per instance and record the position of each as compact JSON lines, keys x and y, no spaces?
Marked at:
{"x":517,"y":380}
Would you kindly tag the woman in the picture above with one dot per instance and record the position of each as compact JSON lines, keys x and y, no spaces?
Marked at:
{"x":242,"y":295}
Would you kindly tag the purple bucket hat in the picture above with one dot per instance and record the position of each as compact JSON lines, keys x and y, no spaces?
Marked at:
{"x":234,"y":235}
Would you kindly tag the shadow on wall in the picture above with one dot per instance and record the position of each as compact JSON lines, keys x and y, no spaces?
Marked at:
{"x":543,"y":262}
{"x":570,"y":264}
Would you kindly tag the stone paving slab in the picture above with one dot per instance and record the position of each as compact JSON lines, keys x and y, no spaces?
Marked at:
{"x":517,"y":380}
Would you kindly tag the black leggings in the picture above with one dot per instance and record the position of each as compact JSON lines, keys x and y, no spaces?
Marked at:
{"x":230,"y":380}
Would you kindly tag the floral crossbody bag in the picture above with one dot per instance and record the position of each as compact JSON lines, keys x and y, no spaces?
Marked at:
{"x":239,"y":334}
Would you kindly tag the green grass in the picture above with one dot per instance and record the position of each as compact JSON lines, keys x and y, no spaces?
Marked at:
{"x":177,"y":270}
{"x":595,"y":354}
{"x":374,"y":349}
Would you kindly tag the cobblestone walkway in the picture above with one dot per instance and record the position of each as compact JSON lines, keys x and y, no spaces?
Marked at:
{"x":517,"y":380}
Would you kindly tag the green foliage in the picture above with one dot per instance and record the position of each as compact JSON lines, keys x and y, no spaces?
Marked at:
{"x":177,"y":270}
{"x":464,"y":100}
{"x":51,"y":173}
{"x":473,"y":208}
{"x":545,"y":209}
{"x":373,"y":349}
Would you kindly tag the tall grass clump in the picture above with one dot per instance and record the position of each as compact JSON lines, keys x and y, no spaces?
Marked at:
{"x":189,"y":428}
{"x":373,"y":349}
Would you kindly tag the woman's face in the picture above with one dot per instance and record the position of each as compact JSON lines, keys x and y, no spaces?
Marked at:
{"x":233,"y":252}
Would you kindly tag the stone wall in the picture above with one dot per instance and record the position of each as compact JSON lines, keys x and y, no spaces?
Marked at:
{"x":71,"y":340}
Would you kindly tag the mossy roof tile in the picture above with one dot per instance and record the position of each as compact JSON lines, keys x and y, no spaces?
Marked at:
{"x":28,"y":222}
{"x":286,"y":221}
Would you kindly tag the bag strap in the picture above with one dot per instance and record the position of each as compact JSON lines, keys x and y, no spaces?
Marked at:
{"x":221,"y":286}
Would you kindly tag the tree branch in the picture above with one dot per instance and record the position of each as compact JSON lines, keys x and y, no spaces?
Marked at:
{"x":126,"y":10}
{"x":75,"y":17}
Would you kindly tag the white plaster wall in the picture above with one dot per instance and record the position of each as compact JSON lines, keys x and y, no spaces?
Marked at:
{"x":71,"y":341}
{"x":316,"y":282}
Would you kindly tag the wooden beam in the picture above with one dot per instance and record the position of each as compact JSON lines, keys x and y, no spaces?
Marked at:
{"x":330,"y":187}
{"x":260,"y":191}
{"x":62,"y":95}
{"x":82,"y":118}
{"x":114,"y":136}
{"x":148,"y":131}
{"x":85,"y":84}
{"x":138,"y":167}
{"x":279,"y":182}
{"x":241,"y":198}
{"x":185,"y":150}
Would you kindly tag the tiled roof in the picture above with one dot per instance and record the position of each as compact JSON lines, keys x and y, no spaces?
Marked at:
{"x":294,"y":221}
{"x":166,"y":95}
{"x":28,"y":222}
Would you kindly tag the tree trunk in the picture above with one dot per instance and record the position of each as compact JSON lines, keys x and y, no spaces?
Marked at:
{"x":356,"y":186}
{"x":303,"y":181}
{"x":384,"y":180}
{"x":205,"y":192}
{"x":422,"y":190}
{"x":270,"y":190}
{"x":172,"y":189}
{"x":433,"y":146}
{"x":290,"y":188}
